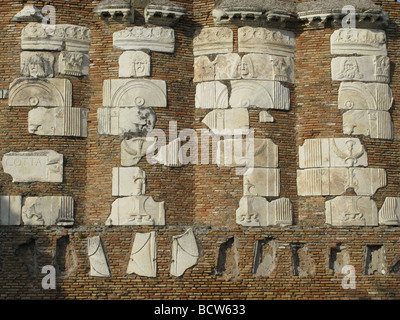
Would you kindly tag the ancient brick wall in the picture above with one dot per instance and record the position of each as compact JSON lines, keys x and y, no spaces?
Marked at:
{"x":298,"y":261}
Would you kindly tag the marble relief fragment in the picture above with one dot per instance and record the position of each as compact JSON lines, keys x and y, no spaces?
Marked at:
{"x":143,"y":258}
{"x":213,"y":40}
{"x":228,"y":121}
{"x":10,"y":210}
{"x":73,"y":64}
{"x":134,"y":149}
{"x":389,"y":214}
{"x":128,"y":182}
{"x":134,"y":64}
{"x":263,"y":182}
{"x":37,"y":64}
{"x":211,"y":95}
{"x":97,"y":258}
{"x":185,"y":253}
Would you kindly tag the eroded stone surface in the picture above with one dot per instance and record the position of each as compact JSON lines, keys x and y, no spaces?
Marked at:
{"x":213,"y":40}
{"x":134,"y":149}
{"x":134,"y":64}
{"x":211,"y":95}
{"x":73,"y":64}
{"x":136,"y":210}
{"x":97,"y":258}
{"x":263,"y":182}
{"x":37,"y":64}
{"x":143,"y":259}
{"x":29,"y":13}
{"x":10,"y":210}
{"x":389,"y":214}
{"x":351,"y":211}
{"x":228,"y":122}
{"x":185,"y":253}
{"x":32,"y":166}
{"x":128,"y":182}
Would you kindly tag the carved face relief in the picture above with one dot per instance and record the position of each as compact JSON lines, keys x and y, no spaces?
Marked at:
{"x":350,"y":70}
{"x":36,"y":66}
{"x":147,"y":119}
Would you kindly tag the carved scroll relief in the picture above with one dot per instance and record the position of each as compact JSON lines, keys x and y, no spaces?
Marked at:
{"x":348,"y":41}
{"x":97,"y":258}
{"x":389,"y":214}
{"x":143,"y":259}
{"x":351,"y":211}
{"x":160,"y":39}
{"x":258,"y":212}
{"x":134,"y":93}
{"x":71,"y":37}
{"x":185,"y":253}
{"x":364,"y":69}
{"x":10,"y":210}
{"x":40,"y":166}
{"x":48,"y":211}
{"x":40,"y":93}
{"x":267,"y":40}
{"x":213,"y":40}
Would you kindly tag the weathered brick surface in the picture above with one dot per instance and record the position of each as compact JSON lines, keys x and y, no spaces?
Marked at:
{"x":204,"y":197}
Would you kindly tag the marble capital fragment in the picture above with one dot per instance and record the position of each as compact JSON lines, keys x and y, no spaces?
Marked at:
{"x":73,"y":64}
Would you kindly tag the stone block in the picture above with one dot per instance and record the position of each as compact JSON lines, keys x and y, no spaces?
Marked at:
{"x":265,"y":117}
{"x":29,"y":13}
{"x":211,"y":95}
{"x":128,"y":182}
{"x":349,"y":41}
{"x":212,"y":40}
{"x":10,"y":210}
{"x":228,"y":121}
{"x":332,"y":152}
{"x":73,"y":64}
{"x":134,"y":93}
{"x":262,"y":182}
{"x":163,"y":14}
{"x":185,"y":253}
{"x":143,"y":259}
{"x":136,"y":211}
{"x":134,"y":149}
{"x":159,"y":39}
{"x":97,"y":258}
{"x":134,"y":64}
{"x":349,"y":211}
{"x":34,"y":166}
{"x":37,"y":64}
{"x":389,"y":214}
{"x":227,"y":66}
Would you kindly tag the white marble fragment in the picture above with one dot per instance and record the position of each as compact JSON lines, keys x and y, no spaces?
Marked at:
{"x":265,"y":117}
{"x":365,"y":96}
{"x":348,"y":211}
{"x":332,"y":152}
{"x":213,"y":40}
{"x":143,"y":259}
{"x":335,"y":181}
{"x":118,"y":121}
{"x":211,"y":95}
{"x":134,"y":93}
{"x":227,"y":66}
{"x":160,"y":39}
{"x":128,"y":182}
{"x":37,"y":36}
{"x":37,"y":64}
{"x":136,"y":210}
{"x":171,"y":154}
{"x":185,"y":253}
{"x":204,"y":69}
{"x":258,"y":153}
{"x":48,"y":211}
{"x":28,"y":92}
{"x":34,"y":166}
{"x":372,"y":123}
{"x":266,"y":40}
{"x":97,"y":258}
{"x":228,"y":121}
{"x":263,"y":182}
{"x":134,"y":149}
{"x":10,"y":210}
{"x":73,"y":64}
{"x":349,"y":41}
{"x":258,"y":212}
{"x":134,"y":64}
{"x":389,"y":214}
{"x":29,"y":13}
{"x":69,"y":122}
{"x":259,"y":94}
{"x":364,"y":69}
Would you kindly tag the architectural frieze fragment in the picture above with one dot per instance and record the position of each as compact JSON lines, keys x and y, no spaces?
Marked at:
{"x":73,"y":64}
{"x":228,"y":121}
{"x":213,"y":40}
{"x":389,"y":214}
{"x":263,"y":182}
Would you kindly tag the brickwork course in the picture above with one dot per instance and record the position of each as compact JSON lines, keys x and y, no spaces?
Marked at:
{"x":198,"y":196}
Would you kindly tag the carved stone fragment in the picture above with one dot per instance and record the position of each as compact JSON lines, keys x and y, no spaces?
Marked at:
{"x":228,"y":122}
{"x":128,"y":182}
{"x":212,"y":40}
{"x":118,"y":121}
{"x":185,"y":253}
{"x":36,"y":36}
{"x":48,"y":211}
{"x":10,"y":210}
{"x":259,"y":94}
{"x":258,"y":212}
{"x":69,"y":122}
{"x":376,"y":124}
{"x":134,"y":64}
{"x":335,"y":181}
{"x":40,"y":93}
{"x":160,"y":39}
{"x":365,"y":69}
{"x":136,"y":210}
{"x":73,"y":64}
{"x":37,"y":64}
{"x":115,"y":8}
{"x":29,"y":13}
{"x":332,"y":152}
{"x":227,"y":66}
{"x":259,"y":153}
{"x":211,"y":95}
{"x":348,"y":41}
{"x":263,"y":182}
{"x":97,"y":258}
{"x":265,"y":117}
{"x":267,"y":40}
{"x":351,"y":211}
{"x":171,"y":154}
{"x":365,"y":96}
{"x":134,"y":93}
{"x":204,"y":69}
{"x":32,"y":166}
{"x":389,"y":214}
{"x":134,"y":149}
{"x":163,"y":15}
{"x":143,"y":259}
